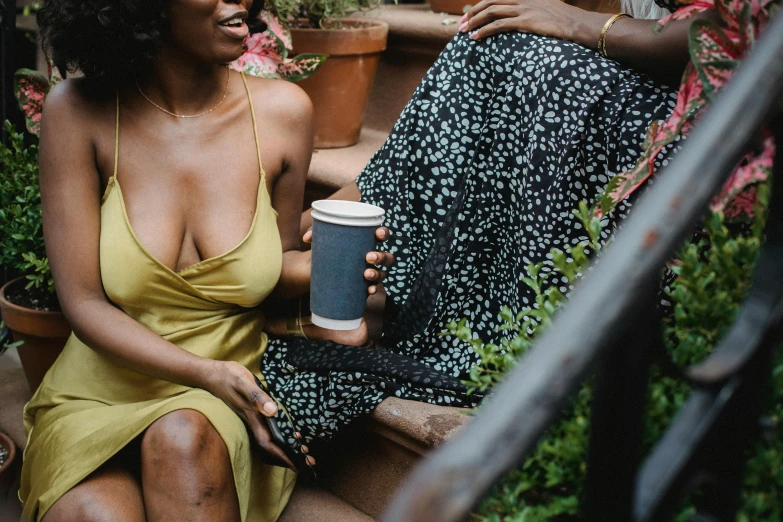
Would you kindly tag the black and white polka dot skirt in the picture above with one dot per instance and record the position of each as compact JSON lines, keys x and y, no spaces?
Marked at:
{"x":479,"y":177}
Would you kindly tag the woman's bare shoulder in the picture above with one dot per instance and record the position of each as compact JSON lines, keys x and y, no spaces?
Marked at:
{"x":282,"y":100}
{"x":74,"y":101}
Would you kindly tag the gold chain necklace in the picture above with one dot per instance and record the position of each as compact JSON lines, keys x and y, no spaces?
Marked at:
{"x":228,"y":75}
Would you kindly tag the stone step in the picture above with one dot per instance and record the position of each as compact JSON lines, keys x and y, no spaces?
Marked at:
{"x":311,"y":505}
{"x":368,"y":463}
{"x":331,"y":169}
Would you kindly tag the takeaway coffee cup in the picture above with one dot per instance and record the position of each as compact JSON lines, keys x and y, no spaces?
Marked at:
{"x":343,"y":234}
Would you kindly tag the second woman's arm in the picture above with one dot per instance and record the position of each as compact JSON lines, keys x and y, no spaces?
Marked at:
{"x":632,"y":42}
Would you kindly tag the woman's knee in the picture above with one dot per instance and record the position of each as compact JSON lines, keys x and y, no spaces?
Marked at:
{"x":108,"y":494}
{"x":76,"y":505}
{"x":182,"y":436}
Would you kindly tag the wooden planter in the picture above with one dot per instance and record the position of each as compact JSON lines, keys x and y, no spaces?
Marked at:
{"x":44,"y":335}
{"x":341,"y":87}
{"x":7,"y":469}
{"x":455,"y":7}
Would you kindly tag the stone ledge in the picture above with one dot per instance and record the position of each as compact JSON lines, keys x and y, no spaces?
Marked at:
{"x":409,"y":23}
{"x":417,"y":426}
{"x":308,"y":505}
{"x":331,"y":169}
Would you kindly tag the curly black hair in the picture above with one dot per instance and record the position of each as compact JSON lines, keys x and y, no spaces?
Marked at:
{"x":110,"y":41}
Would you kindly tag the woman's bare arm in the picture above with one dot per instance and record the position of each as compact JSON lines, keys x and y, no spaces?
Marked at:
{"x":631,"y":42}
{"x":70,"y":195}
{"x":291,"y":113}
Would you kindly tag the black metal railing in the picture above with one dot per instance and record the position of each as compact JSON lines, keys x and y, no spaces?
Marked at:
{"x":610,"y":325}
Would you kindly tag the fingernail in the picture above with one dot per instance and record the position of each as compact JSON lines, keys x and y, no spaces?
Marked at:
{"x":463,"y":27}
{"x":270,"y":408}
{"x":369,"y":274}
{"x":473,"y":35}
{"x":372,"y":258}
{"x":464,"y":17}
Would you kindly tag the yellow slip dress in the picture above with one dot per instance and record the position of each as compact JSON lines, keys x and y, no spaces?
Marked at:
{"x":87,"y":408}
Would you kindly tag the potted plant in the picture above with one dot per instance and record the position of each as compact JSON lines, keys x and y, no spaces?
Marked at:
{"x":7,"y":454}
{"x":28,"y":304}
{"x":341,"y":89}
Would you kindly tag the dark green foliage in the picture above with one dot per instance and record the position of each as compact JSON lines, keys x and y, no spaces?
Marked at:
{"x":21,"y":235}
{"x":712,"y":277}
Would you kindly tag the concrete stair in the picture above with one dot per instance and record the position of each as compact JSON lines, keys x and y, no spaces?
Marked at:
{"x":368,"y":463}
{"x":311,"y":505}
{"x":363,"y":468}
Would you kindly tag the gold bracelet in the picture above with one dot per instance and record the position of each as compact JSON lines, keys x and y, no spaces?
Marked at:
{"x":607,"y":26}
{"x":294,"y":326}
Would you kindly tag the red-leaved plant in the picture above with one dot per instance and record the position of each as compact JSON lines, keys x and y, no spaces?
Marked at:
{"x":30,"y":89}
{"x":266,"y":54}
{"x":715,"y":54}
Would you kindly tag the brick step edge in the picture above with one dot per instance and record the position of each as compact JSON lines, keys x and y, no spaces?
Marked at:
{"x":417,"y":426}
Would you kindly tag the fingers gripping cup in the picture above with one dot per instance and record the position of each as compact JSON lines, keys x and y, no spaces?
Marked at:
{"x":343,"y":235}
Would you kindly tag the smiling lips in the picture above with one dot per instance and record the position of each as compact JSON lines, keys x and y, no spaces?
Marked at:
{"x":235,"y":26}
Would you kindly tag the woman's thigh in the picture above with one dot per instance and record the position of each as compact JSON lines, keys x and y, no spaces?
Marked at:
{"x":112,"y":492}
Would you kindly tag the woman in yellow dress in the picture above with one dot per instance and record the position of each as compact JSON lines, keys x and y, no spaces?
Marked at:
{"x":165,"y":231}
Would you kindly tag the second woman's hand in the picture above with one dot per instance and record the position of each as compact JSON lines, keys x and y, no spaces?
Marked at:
{"x":543,"y":17}
{"x":380,"y":259}
{"x":235,"y":385}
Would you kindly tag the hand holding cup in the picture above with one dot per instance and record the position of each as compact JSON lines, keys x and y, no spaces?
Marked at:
{"x":380,"y":259}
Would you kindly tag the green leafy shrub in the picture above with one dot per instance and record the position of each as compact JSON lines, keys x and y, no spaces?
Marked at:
{"x":712,"y":277}
{"x":21,"y":236}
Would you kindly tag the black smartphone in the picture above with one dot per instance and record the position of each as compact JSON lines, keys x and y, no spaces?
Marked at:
{"x":298,"y":458}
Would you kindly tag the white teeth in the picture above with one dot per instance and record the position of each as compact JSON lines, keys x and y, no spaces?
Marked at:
{"x":234,"y":22}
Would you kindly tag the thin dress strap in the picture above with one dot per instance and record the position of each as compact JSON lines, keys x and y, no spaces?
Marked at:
{"x":117,"y":137}
{"x":255,"y":125}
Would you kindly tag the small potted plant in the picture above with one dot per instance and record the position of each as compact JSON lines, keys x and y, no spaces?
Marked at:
{"x":28,"y":304}
{"x":341,"y":89}
{"x":7,"y":454}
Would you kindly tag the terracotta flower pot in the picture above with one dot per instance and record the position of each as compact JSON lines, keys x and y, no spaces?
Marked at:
{"x":341,"y":87}
{"x":455,"y":7}
{"x":44,"y":335}
{"x":6,"y":469}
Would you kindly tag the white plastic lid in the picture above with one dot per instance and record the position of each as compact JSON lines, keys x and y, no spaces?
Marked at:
{"x":348,"y":213}
{"x":336,"y":324}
